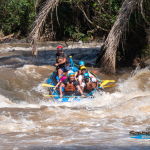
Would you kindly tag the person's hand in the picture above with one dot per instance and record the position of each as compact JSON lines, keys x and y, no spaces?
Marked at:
{"x":99,"y":80}
{"x":54,"y":88}
{"x":102,"y":87}
{"x":56,"y":64}
{"x":83,"y":96}
{"x":61,"y":95}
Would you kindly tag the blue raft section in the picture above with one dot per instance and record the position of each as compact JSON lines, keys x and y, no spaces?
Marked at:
{"x":52,"y":81}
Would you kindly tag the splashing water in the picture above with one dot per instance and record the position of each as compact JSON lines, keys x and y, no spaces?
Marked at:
{"x":30,"y":121}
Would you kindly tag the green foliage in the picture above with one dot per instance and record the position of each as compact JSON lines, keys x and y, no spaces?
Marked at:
{"x":76,"y":34}
{"x":16,"y":15}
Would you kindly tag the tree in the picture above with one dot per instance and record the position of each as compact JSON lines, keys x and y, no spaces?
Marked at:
{"x":108,"y":52}
{"x":16,"y":15}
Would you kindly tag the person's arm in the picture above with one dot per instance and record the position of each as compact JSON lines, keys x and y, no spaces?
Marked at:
{"x":79,"y":89}
{"x":64,"y":61}
{"x":76,"y":73}
{"x":91,"y":76}
{"x":96,"y":81}
{"x":57,"y":85}
{"x":82,"y":88}
{"x":61,"y":85}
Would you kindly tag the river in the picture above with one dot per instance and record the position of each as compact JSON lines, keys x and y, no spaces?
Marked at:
{"x":28,"y":121}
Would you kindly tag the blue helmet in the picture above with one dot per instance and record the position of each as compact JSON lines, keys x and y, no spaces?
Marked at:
{"x":86,"y":76}
{"x":71,"y":74}
{"x":81,"y":63}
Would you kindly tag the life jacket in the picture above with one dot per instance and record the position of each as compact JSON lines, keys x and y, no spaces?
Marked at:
{"x":70,"y":87}
{"x":60,"y":58}
{"x":90,"y":85}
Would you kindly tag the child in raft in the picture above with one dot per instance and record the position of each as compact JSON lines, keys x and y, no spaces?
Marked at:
{"x":63,"y":78}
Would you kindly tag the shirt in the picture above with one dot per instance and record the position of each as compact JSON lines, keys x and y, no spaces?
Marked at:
{"x":61,"y":56}
{"x":84,"y":84}
{"x":80,"y":78}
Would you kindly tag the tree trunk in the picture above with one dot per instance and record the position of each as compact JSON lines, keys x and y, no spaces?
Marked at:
{"x":37,"y":26}
{"x":108,"y":60}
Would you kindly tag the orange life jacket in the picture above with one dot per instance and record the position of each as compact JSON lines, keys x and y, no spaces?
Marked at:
{"x":70,"y":87}
{"x":90,"y":85}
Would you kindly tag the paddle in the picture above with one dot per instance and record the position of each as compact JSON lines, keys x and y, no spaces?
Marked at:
{"x":107,"y":86}
{"x":104,"y":83}
{"x":63,"y":96}
{"x":107,"y":81}
{"x":47,"y":85}
{"x":94,"y":72}
{"x":72,"y":64}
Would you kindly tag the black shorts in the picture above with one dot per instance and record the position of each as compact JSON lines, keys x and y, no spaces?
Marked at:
{"x":64,"y":68}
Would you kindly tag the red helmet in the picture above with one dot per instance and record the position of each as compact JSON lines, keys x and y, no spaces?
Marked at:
{"x":59,"y":47}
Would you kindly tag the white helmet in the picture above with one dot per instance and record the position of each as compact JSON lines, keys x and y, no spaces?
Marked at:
{"x":70,"y":71}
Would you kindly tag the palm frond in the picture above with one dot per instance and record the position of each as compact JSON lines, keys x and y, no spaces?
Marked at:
{"x":39,"y":22}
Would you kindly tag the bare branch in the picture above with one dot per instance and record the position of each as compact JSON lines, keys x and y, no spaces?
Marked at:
{"x":57,"y":17}
{"x":90,"y":20}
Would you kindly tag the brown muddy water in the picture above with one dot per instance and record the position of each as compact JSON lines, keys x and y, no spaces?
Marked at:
{"x":28,"y":121}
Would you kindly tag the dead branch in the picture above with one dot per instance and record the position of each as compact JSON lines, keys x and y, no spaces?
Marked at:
{"x":7,"y":37}
{"x":90,"y":20}
{"x":57,"y":17}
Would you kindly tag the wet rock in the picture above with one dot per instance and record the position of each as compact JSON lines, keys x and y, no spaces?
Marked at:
{"x":6,"y":40}
{"x":16,"y":40}
{"x":88,"y":65}
{"x":22,"y":41}
{"x":148,"y":61}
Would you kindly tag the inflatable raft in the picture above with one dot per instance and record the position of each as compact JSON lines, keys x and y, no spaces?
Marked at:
{"x":66,"y":98}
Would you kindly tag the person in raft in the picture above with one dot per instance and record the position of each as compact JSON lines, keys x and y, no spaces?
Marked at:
{"x":77,"y":73}
{"x":61,"y":59}
{"x":89,"y":83}
{"x":81,"y":76}
{"x":63,"y":78}
{"x":70,"y":85}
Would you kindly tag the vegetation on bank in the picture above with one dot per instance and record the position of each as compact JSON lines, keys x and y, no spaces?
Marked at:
{"x":80,"y":20}
{"x":16,"y":16}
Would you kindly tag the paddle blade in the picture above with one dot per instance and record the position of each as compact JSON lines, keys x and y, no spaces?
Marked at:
{"x":112,"y":85}
{"x":105,"y":82}
{"x":108,"y":80}
{"x":47,"y":85}
{"x":95,"y":72}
